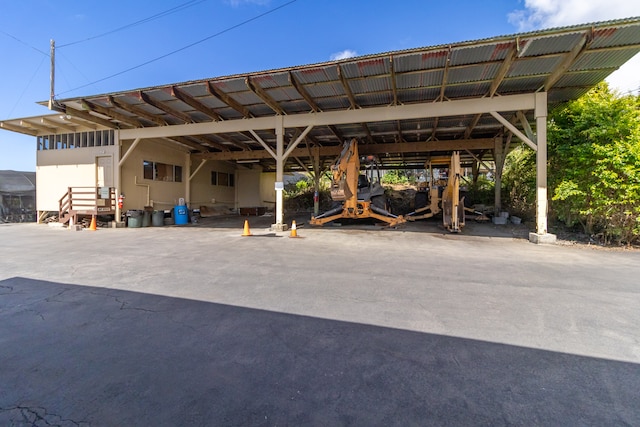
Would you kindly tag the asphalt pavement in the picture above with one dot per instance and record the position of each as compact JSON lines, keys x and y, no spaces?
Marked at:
{"x":354,"y":325}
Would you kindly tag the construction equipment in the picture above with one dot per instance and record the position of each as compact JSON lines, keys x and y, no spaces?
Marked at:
{"x":358,"y":196}
{"x":437,"y":195}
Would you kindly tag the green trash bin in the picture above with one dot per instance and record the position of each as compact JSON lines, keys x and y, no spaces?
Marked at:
{"x":134,"y":219}
{"x":146,"y":218}
{"x":157,"y":218}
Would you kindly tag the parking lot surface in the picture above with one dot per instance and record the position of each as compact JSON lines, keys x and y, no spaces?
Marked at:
{"x":352,"y":325}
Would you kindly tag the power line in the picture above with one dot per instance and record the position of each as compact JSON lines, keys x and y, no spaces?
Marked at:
{"x":142,"y":21}
{"x":26,"y":87}
{"x":24,"y":43}
{"x":183,"y":48}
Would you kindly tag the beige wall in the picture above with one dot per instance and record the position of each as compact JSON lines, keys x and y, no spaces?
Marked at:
{"x":140,"y":192}
{"x":205,"y":194}
{"x":57,"y":170}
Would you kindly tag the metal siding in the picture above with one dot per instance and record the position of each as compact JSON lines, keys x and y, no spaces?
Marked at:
{"x":474,"y":73}
{"x":420,"y":61}
{"x":316,"y":74}
{"x":621,"y":36}
{"x":370,"y":85}
{"x":582,"y":79}
{"x":414,"y":80}
{"x":374,"y":99}
{"x":534,"y":66}
{"x":366,"y":68}
{"x":604,"y":59}
{"x":545,"y":45}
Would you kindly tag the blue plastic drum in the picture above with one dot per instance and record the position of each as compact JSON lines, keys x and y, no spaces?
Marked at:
{"x":181,"y":214}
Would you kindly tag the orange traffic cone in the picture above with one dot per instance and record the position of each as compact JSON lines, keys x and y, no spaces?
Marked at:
{"x":246,"y":231}
{"x":294,"y":229}
{"x":92,"y":226}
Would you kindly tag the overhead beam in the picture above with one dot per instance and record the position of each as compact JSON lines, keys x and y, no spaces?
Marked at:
{"x":194,"y":103}
{"x":206,"y":141}
{"x":394,"y":85}
{"x":88,"y":116}
{"x":327,"y":118}
{"x":160,"y":106}
{"x":187,"y":142}
{"x":153,"y":118}
{"x":568,"y":61}
{"x":222,"y":96}
{"x":77,"y":121}
{"x":64,"y":126}
{"x":514,"y":129}
{"x":405,"y":147}
{"x":38,"y":127}
{"x":347,"y":89}
{"x":262,"y":94}
{"x":445,"y":76}
{"x":303,"y":92}
{"x":18,"y":129}
{"x":91,"y":106}
{"x":504,"y":69}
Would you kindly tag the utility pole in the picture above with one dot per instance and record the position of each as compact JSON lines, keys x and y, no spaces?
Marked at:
{"x":53,"y":73}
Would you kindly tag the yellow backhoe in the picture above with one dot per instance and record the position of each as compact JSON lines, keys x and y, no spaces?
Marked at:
{"x":437,"y":195}
{"x":357,"y":195}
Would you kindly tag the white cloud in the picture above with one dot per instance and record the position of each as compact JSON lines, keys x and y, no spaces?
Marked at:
{"x":539,"y":14}
{"x":347,"y":53}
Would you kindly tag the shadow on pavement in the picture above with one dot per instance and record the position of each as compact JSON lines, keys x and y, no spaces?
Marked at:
{"x":73,"y":355}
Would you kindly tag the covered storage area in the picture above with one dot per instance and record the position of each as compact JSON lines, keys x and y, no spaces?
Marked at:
{"x":479,"y":98}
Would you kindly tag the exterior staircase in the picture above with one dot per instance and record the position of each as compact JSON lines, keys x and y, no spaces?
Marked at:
{"x":85,"y":201}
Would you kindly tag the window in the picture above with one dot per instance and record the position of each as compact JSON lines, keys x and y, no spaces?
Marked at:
{"x":223,"y":179}
{"x":99,"y":138}
{"x":156,"y":171}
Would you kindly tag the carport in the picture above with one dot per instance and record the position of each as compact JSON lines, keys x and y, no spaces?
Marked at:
{"x":478,"y":97}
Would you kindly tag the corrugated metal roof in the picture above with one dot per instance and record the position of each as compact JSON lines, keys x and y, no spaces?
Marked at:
{"x":421,"y":75}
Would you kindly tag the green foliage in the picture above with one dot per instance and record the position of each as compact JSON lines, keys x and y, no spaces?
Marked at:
{"x":594,"y":164}
{"x":480,"y":192}
{"x":395,"y":177}
{"x":519,"y":182}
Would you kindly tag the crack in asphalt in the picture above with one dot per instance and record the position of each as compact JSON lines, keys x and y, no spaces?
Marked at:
{"x":10,"y":288}
{"x":124,"y":305}
{"x":36,"y":416}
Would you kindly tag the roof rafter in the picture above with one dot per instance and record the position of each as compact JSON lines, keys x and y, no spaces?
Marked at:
{"x":137,"y":111}
{"x":224,"y":97}
{"x":206,"y":141}
{"x":37,"y":126}
{"x":302,"y":91}
{"x":91,"y":106}
{"x":347,"y":89}
{"x":569,"y":60}
{"x":88,"y":116}
{"x":67,"y":127}
{"x":160,"y":106}
{"x":262,"y":94}
{"x":394,"y":86}
{"x":194,"y":103}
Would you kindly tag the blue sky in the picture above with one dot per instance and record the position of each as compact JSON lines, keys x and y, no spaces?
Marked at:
{"x":101,"y":42}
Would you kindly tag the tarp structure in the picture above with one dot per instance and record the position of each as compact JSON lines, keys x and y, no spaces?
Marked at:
{"x":17,"y":196}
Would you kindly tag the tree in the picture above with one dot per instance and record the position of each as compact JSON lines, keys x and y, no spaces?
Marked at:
{"x":594,"y":164}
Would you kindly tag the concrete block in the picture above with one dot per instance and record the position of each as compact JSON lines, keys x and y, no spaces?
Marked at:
{"x":279,"y":227}
{"x":76,"y":227}
{"x":542,"y":239}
